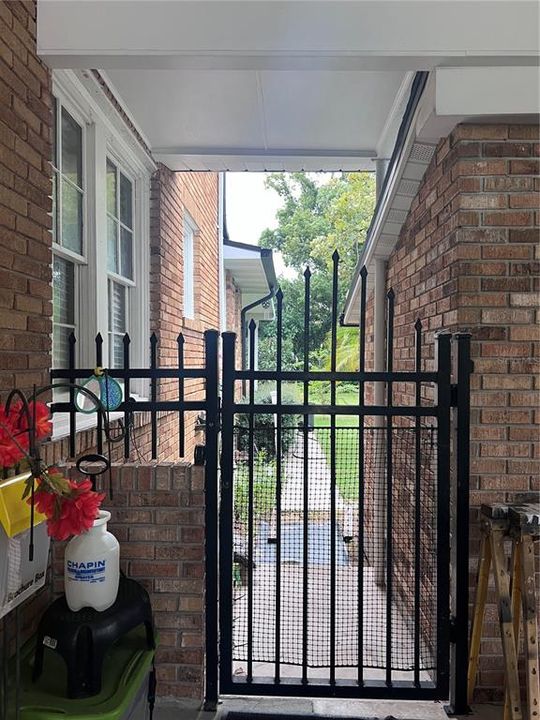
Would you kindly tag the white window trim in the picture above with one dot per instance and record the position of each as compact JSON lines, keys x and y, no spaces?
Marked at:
{"x":106,"y":135}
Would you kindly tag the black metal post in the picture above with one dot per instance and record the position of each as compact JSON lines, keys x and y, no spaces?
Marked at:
{"x":389,"y":484}
{"x":460,"y":651}
{"x":226,"y":512}
{"x":444,"y":363}
{"x":279,"y":447}
{"x":99,"y":363}
{"x":153,"y":394}
{"x":72,"y":411}
{"x":305,"y":475}
{"x":333,"y":516}
{"x":211,"y":338}
{"x":251,"y":503}
{"x":182,"y":415}
{"x":417,"y":505}
{"x":361,"y":473}
{"x":127,"y":391}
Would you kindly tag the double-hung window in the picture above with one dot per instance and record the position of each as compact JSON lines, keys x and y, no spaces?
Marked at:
{"x":101,"y":248}
{"x":68,"y":228}
{"x":119,"y":258}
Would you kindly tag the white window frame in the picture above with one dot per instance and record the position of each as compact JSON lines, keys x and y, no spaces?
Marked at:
{"x":190,"y":233}
{"x":79,"y":260}
{"x":106,"y":135}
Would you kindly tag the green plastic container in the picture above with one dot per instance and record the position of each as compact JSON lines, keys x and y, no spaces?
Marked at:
{"x":123,"y":695}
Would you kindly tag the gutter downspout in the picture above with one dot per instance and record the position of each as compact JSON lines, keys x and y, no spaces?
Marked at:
{"x":243,"y":314}
{"x":379,"y":499}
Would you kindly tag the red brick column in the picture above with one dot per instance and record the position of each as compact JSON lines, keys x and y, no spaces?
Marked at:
{"x":158,"y":518}
{"x":25,"y":203}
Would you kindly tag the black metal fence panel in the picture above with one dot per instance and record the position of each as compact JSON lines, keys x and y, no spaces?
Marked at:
{"x":327,"y":523}
{"x":334,"y":524}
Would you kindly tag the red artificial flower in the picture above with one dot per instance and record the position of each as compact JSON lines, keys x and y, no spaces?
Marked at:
{"x":43,"y":427}
{"x":72,"y":514}
{"x":13,"y":441}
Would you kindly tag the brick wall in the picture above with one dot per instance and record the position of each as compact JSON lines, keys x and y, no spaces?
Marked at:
{"x":25,"y":189}
{"x":172,"y":195}
{"x":467,"y":259}
{"x":158,"y":517}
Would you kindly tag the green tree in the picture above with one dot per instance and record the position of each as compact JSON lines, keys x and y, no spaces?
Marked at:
{"x":315,"y":219}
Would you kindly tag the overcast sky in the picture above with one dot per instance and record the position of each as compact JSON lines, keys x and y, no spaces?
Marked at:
{"x":250,"y":207}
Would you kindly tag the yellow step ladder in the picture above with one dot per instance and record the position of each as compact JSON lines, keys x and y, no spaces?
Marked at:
{"x":516,"y":594}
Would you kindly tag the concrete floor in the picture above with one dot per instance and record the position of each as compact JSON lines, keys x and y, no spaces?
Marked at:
{"x":342,"y":708}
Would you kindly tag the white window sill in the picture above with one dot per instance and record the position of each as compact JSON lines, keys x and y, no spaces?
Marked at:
{"x":83,"y":421}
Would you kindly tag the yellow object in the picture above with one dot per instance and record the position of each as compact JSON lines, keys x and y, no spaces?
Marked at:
{"x":98,"y":371}
{"x":14,"y":511}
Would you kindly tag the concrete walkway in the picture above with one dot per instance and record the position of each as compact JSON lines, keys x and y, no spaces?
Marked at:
{"x":357,"y":709}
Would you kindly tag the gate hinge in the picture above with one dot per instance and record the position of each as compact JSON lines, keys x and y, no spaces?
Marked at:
{"x":453,"y":394}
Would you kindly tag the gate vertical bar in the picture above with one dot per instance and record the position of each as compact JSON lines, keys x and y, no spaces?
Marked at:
{"x":251,"y":509}
{"x":389,"y":490}
{"x":99,"y":419}
{"x":72,"y":411}
{"x":226,"y":512}
{"x":443,"y":356}
{"x":153,"y":394}
{"x":333,"y":528}
{"x":127,"y":392}
{"x":460,"y":652}
{"x":417,"y":504}
{"x":278,"y":445}
{"x":211,"y":338}
{"x":180,"y":341}
{"x":305,"y":485}
{"x":361,"y":477}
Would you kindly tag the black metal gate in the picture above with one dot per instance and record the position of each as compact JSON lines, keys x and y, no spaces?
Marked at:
{"x":334,"y":539}
{"x":328,"y":568}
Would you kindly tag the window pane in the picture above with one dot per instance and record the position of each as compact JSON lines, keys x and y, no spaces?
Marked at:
{"x":56,"y":239}
{"x":111,"y":189}
{"x":117,"y":351}
{"x":54,"y":129}
{"x":126,"y":196}
{"x":61,"y":346}
{"x":63,"y":291}
{"x":117,"y":308}
{"x":126,"y":253}
{"x":112,"y":245}
{"x":71,"y":218}
{"x":71,"y":149}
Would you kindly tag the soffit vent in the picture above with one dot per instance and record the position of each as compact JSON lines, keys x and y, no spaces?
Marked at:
{"x":396,"y":216}
{"x":408,"y":187}
{"x":422,"y":153}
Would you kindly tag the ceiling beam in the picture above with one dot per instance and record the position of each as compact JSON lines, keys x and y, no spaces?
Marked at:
{"x":280,"y":34}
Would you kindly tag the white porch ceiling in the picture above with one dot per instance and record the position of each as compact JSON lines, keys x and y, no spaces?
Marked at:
{"x":240,"y":119}
{"x":277,"y":84}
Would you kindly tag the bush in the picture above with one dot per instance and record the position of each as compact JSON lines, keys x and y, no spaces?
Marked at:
{"x":264,"y":435}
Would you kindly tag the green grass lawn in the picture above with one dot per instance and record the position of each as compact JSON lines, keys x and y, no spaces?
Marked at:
{"x":346,"y":441}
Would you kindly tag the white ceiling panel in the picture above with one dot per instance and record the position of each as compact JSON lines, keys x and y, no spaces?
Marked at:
{"x":193,"y":109}
{"x":341,"y":110}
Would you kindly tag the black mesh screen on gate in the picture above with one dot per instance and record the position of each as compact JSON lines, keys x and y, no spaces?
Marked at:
{"x":302,"y":572}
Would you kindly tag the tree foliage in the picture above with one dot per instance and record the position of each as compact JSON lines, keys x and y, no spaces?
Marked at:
{"x":315,"y":219}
